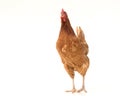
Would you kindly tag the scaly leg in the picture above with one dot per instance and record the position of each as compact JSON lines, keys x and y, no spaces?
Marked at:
{"x":70,"y":71}
{"x":73,"y":89}
{"x":83,"y":86}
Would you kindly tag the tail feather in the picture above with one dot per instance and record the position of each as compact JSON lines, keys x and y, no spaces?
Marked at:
{"x":80,"y":34}
{"x":81,"y":37}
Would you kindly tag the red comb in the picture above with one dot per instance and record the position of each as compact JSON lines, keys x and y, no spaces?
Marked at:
{"x":62,"y":10}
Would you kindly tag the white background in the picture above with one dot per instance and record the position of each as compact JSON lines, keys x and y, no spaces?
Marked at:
{"x":29,"y":62}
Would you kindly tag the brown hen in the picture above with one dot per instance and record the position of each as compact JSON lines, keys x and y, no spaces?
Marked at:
{"x":73,"y":50}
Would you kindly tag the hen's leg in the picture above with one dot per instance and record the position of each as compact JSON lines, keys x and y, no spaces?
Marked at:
{"x":70,"y":71}
{"x":83,"y":86}
{"x":73,"y":87}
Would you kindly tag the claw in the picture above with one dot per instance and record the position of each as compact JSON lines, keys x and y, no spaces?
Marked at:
{"x":82,"y":89}
{"x":73,"y":90}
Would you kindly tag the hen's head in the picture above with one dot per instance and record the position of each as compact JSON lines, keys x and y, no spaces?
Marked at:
{"x":64,"y":16}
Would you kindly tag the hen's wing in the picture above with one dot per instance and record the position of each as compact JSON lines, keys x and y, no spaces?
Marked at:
{"x":72,"y":53}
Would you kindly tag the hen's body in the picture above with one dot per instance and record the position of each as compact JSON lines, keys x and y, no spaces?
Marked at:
{"x":72,"y":49}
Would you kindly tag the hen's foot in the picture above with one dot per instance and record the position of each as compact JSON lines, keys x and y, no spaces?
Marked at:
{"x":73,"y":90}
{"x":82,"y":89}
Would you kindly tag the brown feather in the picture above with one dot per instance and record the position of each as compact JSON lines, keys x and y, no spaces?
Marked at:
{"x":72,"y":49}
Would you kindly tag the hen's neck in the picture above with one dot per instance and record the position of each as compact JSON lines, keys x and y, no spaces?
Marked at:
{"x":67,"y":28}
